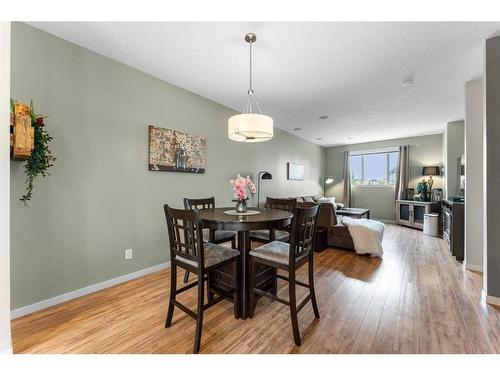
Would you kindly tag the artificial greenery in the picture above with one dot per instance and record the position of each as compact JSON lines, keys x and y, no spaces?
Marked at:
{"x":41,"y":158}
{"x":422,"y":187}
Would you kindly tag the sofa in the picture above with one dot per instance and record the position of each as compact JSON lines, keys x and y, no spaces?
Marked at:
{"x":338,"y":235}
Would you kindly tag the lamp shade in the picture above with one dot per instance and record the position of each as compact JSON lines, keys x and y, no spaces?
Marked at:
{"x":250,"y":127}
{"x":267,"y":176}
{"x":430,"y":171}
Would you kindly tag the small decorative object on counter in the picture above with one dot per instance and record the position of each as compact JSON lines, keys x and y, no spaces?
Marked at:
{"x":422,"y":190}
{"x":30,"y":141}
{"x":242,"y":188}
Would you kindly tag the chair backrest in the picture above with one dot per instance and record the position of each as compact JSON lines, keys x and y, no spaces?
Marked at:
{"x":199,"y":203}
{"x":327,"y":216}
{"x":287,"y":204}
{"x":185,"y":234}
{"x":302,"y":231}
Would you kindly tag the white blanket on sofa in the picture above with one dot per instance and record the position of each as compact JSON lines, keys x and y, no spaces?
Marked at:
{"x":366,"y":235}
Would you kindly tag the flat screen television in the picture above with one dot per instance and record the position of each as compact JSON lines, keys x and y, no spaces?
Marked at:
{"x":295,"y":171}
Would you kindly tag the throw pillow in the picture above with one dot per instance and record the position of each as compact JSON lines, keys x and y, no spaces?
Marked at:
{"x":327,"y":200}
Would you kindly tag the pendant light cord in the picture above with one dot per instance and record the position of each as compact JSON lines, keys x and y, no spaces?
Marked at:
{"x":250,"y":91}
{"x":251,"y":97}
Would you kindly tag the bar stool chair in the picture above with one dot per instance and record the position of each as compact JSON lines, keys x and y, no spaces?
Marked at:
{"x":213,"y":236}
{"x":268,"y":235}
{"x":289,"y":257}
{"x":188,"y":251}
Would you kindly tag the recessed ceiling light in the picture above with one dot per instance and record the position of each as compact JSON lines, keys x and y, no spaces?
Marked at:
{"x":407,"y":83}
{"x":319,"y":139}
{"x":297,"y":129}
{"x":323,"y":117}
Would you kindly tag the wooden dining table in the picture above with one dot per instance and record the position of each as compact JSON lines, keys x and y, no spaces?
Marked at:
{"x":221,"y":279}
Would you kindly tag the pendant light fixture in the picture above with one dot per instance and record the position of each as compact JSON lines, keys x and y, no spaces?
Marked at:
{"x":250,"y":126}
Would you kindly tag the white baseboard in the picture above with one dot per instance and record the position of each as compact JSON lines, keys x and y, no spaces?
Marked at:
{"x":473,"y":267}
{"x":493,"y":300}
{"x":386,"y":221}
{"x":25,"y":310}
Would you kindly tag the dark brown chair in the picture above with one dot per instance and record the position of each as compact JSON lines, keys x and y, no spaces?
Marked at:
{"x":188,"y":251}
{"x":269,"y":235}
{"x":289,"y":257}
{"x":209,"y":235}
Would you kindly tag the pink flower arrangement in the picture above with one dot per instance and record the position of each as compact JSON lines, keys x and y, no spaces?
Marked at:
{"x":242,"y":187}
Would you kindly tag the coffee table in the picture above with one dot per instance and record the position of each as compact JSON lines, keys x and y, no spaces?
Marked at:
{"x":357,"y":213}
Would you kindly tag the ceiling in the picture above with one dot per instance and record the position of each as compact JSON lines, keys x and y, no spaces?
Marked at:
{"x":351,"y":72}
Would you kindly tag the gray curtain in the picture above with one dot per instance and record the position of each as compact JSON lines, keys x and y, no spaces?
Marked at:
{"x":403,"y":173}
{"x":347,"y":180}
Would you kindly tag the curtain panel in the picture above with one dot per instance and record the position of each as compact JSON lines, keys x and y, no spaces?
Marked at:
{"x":347,"y":180}
{"x":403,"y":173}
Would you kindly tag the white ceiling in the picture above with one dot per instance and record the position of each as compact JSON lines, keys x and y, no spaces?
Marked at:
{"x":351,"y":72}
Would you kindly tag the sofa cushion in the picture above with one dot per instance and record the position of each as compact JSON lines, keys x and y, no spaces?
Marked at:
{"x":340,"y":230}
{"x":308,"y":198}
{"x":327,"y":200}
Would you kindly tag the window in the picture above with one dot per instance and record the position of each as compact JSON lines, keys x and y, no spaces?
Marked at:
{"x":374,"y":168}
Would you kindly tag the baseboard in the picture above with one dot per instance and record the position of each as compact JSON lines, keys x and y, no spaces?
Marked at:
{"x":473,"y":267}
{"x":386,"y":221}
{"x":8,"y":351}
{"x":25,"y":310}
{"x":493,"y":300}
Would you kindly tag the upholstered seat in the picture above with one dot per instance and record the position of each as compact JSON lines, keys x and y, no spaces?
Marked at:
{"x":264,"y":235}
{"x":220,"y":235}
{"x":275,"y":251}
{"x":214,"y":254}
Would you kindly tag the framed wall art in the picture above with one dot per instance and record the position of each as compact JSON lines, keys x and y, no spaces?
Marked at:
{"x":175,"y":151}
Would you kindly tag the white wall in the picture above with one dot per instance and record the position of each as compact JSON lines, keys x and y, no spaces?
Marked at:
{"x":455,"y":148}
{"x":5,"y":339}
{"x":474,"y":174}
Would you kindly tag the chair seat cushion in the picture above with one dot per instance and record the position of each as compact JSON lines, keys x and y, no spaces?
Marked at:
{"x":264,"y":235}
{"x":275,"y":251}
{"x":214,"y":254}
{"x":220,"y":235}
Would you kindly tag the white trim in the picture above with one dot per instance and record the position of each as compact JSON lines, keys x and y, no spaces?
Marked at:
{"x":6,"y":352}
{"x":25,"y":310}
{"x":381,"y":150}
{"x":473,"y":267}
{"x":385,"y":221}
{"x":5,"y":331}
{"x":493,"y":300}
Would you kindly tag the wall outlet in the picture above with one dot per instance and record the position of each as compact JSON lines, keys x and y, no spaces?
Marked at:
{"x":129,"y":254}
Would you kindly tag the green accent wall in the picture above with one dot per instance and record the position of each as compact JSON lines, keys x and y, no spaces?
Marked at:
{"x":423,"y":150}
{"x":100,"y":198}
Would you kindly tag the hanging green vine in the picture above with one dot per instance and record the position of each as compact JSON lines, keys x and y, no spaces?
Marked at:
{"x":41,"y":158}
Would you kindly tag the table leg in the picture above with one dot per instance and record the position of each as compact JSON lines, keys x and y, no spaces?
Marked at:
{"x":244,"y":248}
{"x":368,"y":214}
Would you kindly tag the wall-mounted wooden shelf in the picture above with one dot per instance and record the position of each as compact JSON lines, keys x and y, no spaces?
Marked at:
{"x":22,"y":133}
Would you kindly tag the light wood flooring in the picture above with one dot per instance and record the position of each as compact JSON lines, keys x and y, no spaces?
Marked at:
{"x":418,"y":299}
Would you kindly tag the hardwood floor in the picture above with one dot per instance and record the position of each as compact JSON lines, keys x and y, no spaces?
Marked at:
{"x":418,"y":299}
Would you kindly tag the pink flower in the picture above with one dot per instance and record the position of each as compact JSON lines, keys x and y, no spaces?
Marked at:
{"x":242,"y":187}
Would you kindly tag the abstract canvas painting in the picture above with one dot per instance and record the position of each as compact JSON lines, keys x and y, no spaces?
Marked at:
{"x":174,"y":151}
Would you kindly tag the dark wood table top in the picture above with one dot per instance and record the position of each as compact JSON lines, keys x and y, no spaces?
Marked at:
{"x":268,"y":218}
